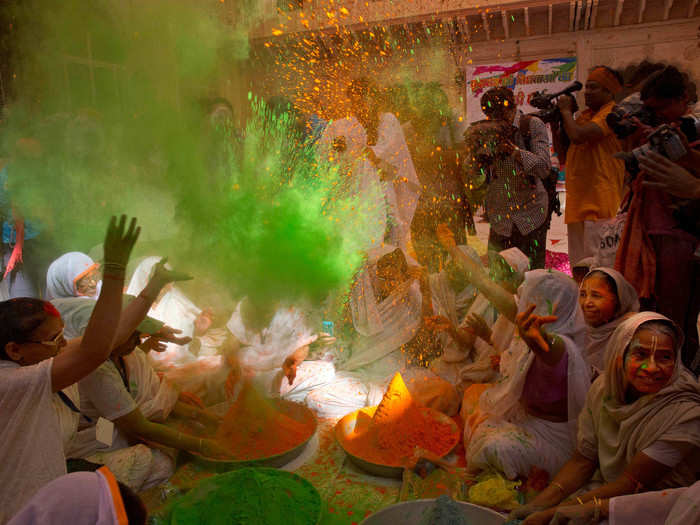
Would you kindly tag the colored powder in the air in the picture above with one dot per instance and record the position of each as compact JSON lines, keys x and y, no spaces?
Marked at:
{"x":399,"y":427}
{"x":249,"y":496}
{"x":445,"y":511}
{"x":256,"y":427}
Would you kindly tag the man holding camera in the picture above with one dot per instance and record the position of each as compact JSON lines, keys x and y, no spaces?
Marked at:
{"x":511,"y":151}
{"x":657,"y":252}
{"x":594,"y":178}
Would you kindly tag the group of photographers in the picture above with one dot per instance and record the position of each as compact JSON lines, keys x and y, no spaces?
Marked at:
{"x":641,"y":157}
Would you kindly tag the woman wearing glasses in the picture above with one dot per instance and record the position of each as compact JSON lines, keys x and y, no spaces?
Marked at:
{"x":36,"y":361}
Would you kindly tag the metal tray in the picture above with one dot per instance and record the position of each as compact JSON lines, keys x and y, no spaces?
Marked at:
{"x":345,"y":427}
{"x":411,"y":513}
{"x":295,"y":411}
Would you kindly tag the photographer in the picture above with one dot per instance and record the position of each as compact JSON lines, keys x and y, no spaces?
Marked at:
{"x":512,"y":151}
{"x":656,"y":251}
{"x":594,"y":178}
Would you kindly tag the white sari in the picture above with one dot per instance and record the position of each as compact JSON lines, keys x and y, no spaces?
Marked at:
{"x":510,"y":439}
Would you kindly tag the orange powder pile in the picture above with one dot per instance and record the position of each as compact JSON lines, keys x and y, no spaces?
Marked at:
{"x":398,"y":426}
{"x":255,"y":428}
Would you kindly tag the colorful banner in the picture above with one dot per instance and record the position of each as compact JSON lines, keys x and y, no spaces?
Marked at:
{"x":524,"y":78}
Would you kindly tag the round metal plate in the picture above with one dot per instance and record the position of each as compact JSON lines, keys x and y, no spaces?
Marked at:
{"x":345,"y":427}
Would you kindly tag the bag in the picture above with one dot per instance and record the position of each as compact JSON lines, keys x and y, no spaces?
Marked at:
{"x":549,"y":182}
{"x":606,"y":236}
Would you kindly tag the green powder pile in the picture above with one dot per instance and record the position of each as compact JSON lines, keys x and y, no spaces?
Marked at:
{"x":445,"y":511}
{"x":250,"y":496}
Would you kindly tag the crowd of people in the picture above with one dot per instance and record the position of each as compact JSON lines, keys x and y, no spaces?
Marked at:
{"x":590,"y":379}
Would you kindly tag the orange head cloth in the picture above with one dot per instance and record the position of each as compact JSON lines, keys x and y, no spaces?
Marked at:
{"x":119,"y":510}
{"x":606,"y":79}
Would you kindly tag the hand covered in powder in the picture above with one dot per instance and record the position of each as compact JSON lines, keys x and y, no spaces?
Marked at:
{"x":478,"y":325}
{"x":163,"y":274}
{"x":120,"y":240}
{"x":169,"y":334}
{"x":524,"y":511}
{"x":530,"y":328}
{"x":213,"y":449}
{"x":575,"y":515}
{"x":289,"y":367}
{"x":540,"y":518}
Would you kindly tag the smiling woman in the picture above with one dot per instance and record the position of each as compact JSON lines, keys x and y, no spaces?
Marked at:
{"x":606,"y":299}
{"x":640,"y":425}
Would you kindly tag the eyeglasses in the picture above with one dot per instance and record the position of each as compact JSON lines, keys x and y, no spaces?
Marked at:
{"x":57,"y":339}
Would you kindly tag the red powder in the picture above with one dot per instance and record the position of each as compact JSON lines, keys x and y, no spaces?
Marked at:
{"x":398,"y":427}
{"x":51,"y":309}
{"x":255,"y":427}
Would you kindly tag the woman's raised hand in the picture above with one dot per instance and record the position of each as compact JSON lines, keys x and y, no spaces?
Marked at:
{"x":163,"y":275}
{"x":479,"y":327}
{"x":530,"y":328}
{"x":119,"y":241}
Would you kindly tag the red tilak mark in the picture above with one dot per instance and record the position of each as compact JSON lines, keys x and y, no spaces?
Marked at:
{"x":51,"y":309}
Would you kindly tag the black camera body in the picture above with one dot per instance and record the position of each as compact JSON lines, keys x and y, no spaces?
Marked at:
{"x":545,"y":102}
{"x":664,"y":140}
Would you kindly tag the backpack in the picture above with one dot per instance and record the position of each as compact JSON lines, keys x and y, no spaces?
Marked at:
{"x":549,"y":182}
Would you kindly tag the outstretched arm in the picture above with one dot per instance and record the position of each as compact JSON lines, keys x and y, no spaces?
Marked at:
{"x":78,"y":360}
{"x":497,"y":295}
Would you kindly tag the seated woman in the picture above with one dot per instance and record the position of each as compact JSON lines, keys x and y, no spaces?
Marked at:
{"x":83,"y":497}
{"x":530,"y":415}
{"x":640,"y":427}
{"x":481,"y":337}
{"x":272,"y":342}
{"x":32,"y":369}
{"x":606,"y":299}
{"x":389,"y":301}
{"x":73,"y":274}
{"x":126,"y":390}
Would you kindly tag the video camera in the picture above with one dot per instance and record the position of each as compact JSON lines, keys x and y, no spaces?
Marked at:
{"x":624,"y":121}
{"x":545,"y":102}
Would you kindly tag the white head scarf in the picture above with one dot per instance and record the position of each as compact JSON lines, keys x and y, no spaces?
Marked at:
{"x":517,"y":260}
{"x":79,"y":497}
{"x":550,"y":291}
{"x":64,"y":272}
{"x":614,"y":431}
{"x":173,"y":308}
{"x":597,"y":337}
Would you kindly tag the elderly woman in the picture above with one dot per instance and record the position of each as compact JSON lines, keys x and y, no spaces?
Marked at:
{"x":606,"y":299}
{"x":640,"y":427}
{"x":530,"y":415}
{"x":471,"y":356}
{"x":73,"y":274}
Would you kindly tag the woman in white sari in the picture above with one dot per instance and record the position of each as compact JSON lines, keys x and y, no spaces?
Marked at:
{"x":531,"y":413}
{"x":483,"y":333}
{"x":373,"y":146}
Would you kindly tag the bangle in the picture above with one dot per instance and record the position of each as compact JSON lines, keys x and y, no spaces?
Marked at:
{"x":559,"y":486}
{"x":201,"y":442}
{"x":114,"y":266}
{"x":596,"y":513}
